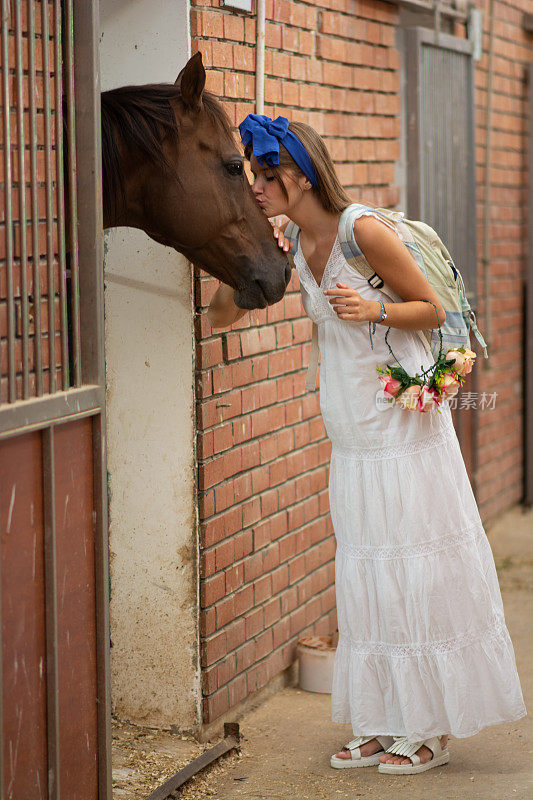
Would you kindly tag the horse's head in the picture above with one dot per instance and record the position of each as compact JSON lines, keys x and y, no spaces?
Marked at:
{"x":194,"y":194}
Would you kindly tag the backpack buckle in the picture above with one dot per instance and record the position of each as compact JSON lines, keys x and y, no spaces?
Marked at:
{"x":375,"y":281}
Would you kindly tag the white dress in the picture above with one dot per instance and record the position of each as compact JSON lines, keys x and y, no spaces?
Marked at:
{"x":423,"y":645}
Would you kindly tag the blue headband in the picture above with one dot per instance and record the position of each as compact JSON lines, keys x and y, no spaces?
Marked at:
{"x":266,"y":135}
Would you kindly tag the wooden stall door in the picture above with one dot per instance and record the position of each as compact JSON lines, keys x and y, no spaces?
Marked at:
{"x":54,"y":633}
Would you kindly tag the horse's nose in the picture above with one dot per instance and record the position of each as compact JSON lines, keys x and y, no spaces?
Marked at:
{"x":288,"y":273}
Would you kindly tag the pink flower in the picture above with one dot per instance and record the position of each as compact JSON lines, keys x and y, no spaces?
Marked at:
{"x":464,"y":361}
{"x":390,"y":385}
{"x":409,"y":398}
{"x":449,"y":385}
{"x":428,"y":399}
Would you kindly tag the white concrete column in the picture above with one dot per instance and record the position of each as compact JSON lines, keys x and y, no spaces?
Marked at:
{"x":150,"y":416}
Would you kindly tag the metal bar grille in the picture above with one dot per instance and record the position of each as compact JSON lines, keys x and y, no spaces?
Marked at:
{"x":45,"y":38}
{"x":40,"y":297}
{"x":73,"y":215}
{"x":36,"y":257}
{"x":22,"y":200}
{"x":8,"y":220}
{"x":60,"y":190}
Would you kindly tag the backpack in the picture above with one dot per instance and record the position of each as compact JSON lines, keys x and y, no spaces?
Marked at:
{"x":433,"y":259}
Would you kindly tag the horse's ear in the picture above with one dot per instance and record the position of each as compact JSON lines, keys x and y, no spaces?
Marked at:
{"x":191,"y":82}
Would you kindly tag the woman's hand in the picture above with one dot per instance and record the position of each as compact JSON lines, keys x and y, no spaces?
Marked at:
{"x":279,"y":230}
{"x":349,"y":305}
{"x":222,"y":311}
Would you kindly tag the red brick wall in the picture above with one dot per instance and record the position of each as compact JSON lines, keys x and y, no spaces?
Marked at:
{"x":40,"y":222}
{"x":500,"y":445}
{"x":267,"y":550}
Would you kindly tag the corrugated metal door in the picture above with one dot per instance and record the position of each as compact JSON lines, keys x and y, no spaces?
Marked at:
{"x":441,"y":190}
{"x":54,"y":714}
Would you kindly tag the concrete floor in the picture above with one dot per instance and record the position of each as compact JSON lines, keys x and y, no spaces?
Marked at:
{"x":287,"y":741}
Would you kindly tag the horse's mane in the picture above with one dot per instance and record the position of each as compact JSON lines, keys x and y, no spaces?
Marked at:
{"x":142,"y":115}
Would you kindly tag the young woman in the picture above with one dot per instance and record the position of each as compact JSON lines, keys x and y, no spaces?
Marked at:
{"x":423,"y":650}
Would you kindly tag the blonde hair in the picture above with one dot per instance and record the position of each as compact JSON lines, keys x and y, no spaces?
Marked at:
{"x":328,"y":191}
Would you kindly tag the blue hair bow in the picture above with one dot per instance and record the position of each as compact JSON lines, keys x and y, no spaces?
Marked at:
{"x":265,"y":136}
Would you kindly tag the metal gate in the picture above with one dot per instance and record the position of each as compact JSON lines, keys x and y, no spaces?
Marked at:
{"x":55,"y":713}
{"x":441,"y":177}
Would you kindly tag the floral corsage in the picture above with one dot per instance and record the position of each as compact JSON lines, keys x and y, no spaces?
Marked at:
{"x":426,"y":390}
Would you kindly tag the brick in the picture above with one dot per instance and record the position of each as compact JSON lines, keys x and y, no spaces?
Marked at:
{"x":254,"y":622}
{"x":257,"y":677}
{"x":245,"y":656}
{"x":225,"y":611}
{"x":211,"y":590}
{"x":207,"y":563}
{"x":234,"y":578}
{"x":216,"y":704}
{"x":253,"y":567}
{"x":244,"y":599}
{"x":280,"y":578}
{"x":243,"y":544}
{"x":210,"y":680}
{"x":272,"y":611}
{"x":234,"y":27}
{"x":237,"y":690}
{"x":262,"y":589}
{"x":264,"y":644}
{"x":210,"y":23}
{"x":214,"y":649}
{"x":224,"y":554}
{"x":226,"y":670}
{"x":222,"y":55}
{"x":207,"y":621}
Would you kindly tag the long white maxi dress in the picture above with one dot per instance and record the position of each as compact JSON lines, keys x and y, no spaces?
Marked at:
{"x":423,"y":645}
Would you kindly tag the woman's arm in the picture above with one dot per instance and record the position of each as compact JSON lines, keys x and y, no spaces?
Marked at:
{"x":390,"y":258}
{"x":222,"y":311}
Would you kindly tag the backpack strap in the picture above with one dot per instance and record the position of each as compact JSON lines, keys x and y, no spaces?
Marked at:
{"x":292,"y":234}
{"x":354,"y":255}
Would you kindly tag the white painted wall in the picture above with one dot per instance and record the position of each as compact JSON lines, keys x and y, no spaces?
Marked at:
{"x":150,"y":416}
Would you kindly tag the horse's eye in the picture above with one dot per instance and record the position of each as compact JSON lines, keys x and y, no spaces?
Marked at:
{"x":235,"y":168}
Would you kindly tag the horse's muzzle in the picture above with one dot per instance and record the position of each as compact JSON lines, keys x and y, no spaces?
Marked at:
{"x":265,"y":290}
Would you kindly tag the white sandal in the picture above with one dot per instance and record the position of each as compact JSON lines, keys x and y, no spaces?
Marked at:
{"x":403,"y":747}
{"x":356,"y":759}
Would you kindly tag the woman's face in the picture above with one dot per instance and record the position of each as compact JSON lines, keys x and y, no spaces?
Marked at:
{"x":268,"y":192}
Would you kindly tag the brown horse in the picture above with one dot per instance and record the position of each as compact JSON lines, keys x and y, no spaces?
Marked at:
{"x":171,"y":167}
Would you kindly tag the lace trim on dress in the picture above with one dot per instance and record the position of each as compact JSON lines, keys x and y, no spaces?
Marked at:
{"x":496,"y":631}
{"x":320,"y":307}
{"x":334,"y":262}
{"x":428,"y":547}
{"x":444,"y":436}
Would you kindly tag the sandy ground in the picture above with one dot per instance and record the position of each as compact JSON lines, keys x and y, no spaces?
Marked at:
{"x":288,"y":739}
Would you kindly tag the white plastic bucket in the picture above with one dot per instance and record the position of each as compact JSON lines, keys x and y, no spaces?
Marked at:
{"x":316,"y":655}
